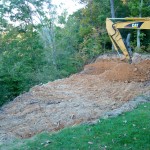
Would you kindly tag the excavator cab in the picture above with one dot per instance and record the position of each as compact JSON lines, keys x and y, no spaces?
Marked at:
{"x":114,"y":24}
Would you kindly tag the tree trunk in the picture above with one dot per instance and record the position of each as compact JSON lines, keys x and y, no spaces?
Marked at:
{"x":112,"y":8}
{"x":138,"y":39}
{"x":138,"y":31}
{"x":112,"y":15}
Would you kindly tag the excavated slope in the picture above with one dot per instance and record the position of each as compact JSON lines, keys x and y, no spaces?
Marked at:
{"x":100,"y":87}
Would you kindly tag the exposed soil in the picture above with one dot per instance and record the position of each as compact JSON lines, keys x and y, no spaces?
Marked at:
{"x":102,"y":86}
{"x":120,"y":71}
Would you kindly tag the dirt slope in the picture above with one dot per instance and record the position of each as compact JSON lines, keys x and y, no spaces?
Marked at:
{"x":100,"y":87}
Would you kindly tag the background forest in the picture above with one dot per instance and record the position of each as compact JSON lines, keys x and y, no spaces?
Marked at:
{"x":37,"y":45}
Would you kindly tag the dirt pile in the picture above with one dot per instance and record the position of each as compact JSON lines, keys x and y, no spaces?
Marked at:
{"x":99,"y":67}
{"x":99,"y":88}
{"x":120,"y":71}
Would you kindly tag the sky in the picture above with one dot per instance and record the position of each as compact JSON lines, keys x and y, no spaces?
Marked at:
{"x":70,"y":5}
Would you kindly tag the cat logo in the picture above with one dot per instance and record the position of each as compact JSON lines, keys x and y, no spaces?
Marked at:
{"x":134,"y":25}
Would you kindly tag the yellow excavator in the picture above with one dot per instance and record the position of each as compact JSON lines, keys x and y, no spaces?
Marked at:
{"x":114,"y":24}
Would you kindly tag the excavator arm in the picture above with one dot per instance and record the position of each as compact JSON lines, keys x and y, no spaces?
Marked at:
{"x":114,"y":24}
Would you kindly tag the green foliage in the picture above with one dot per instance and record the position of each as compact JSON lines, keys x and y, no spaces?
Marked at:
{"x":122,"y":10}
{"x":135,"y":8}
{"x":144,"y":41}
{"x":139,"y":9}
{"x":37,"y":52}
{"x":91,"y":46}
{"x":92,"y":30}
{"x":130,"y":130}
{"x":20,"y":62}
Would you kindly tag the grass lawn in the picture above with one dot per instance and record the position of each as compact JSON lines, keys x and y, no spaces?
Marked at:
{"x":129,"y":131}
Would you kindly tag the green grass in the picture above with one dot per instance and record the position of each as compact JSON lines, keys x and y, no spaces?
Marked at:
{"x":129,"y":131}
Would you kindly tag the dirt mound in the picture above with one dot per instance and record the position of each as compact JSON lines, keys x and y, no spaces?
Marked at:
{"x":99,"y":67}
{"x":81,"y":97}
{"x":120,"y":71}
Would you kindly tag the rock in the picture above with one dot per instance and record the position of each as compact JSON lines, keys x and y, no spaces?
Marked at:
{"x":127,"y":106}
{"x":142,"y":80}
{"x":48,"y":142}
{"x":73,"y":116}
{"x":45,"y":145}
{"x":136,"y":58}
{"x":135,"y":69}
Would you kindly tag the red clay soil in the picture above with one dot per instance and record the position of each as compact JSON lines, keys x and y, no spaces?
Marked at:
{"x":99,"y":88}
{"x":120,"y":71}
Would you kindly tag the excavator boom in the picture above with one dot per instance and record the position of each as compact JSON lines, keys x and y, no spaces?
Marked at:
{"x":114,"y":24}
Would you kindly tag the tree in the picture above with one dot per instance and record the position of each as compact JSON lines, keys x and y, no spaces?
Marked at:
{"x":112,"y":14}
{"x":34,"y":49}
{"x":22,"y":52}
{"x":139,"y":9}
{"x":47,"y":32}
{"x":138,"y":31}
{"x":21,"y":59}
{"x":112,"y":8}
